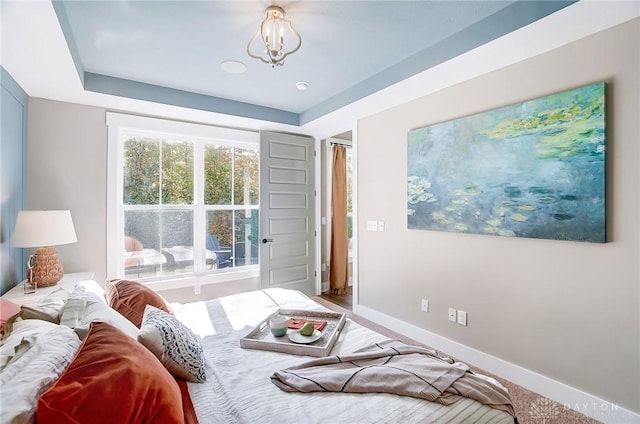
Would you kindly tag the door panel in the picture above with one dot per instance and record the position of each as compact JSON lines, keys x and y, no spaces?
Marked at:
{"x":280,"y":200}
{"x":287,"y":212}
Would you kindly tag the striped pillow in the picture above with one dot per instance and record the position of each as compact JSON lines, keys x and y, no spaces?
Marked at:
{"x":177,"y":347}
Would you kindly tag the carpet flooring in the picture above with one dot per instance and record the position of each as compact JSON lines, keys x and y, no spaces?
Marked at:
{"x":530,"y":407}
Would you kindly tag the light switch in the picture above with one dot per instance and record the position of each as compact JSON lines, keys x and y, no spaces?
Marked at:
{"x":372,"y":225}
{"x":462,"y":318}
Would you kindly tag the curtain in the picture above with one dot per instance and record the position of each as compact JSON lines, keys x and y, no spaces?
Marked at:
{"x":339,"y":257}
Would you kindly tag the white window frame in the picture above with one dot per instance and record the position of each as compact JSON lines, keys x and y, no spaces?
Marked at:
{"x":119,"y":124}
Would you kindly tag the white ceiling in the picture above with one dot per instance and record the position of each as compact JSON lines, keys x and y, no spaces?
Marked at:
{"x":162,"y":58}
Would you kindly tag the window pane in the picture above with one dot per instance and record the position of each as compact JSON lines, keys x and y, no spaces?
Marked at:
{"x":158,"y":242}
{"x":141,"y":171}
{"x":246,"y":174}
{"x":177,"y":173}
{"x":217,"y":175}
{"x":228,"y":232}
{"x":219,"y":239}
{"x":245,"y":248}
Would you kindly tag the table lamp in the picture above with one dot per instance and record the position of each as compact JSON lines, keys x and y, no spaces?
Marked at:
{"x":44,"y":229}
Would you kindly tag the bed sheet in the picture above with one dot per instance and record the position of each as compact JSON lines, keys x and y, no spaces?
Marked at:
{"x":238,"y":388}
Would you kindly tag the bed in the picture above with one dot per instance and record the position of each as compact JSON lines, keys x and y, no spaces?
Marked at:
{"x":220,"y":383}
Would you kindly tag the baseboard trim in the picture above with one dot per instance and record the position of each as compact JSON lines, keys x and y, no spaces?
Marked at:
{"x":569,"y":397}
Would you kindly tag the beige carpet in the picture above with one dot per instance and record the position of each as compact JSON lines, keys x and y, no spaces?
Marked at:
{"x":530,"y":407}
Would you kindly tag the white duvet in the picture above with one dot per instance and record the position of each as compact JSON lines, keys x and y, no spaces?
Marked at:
{"x":238,"y":387}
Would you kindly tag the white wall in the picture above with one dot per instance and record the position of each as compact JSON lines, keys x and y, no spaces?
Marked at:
{"x":566,"y":310}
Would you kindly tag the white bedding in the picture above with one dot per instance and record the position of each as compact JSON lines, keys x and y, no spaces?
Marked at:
{"x":33,"y":357}
{"x":238,"y":387}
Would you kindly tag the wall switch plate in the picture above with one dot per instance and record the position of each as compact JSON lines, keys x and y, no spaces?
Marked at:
{"x":372,"y":225}
{"x":462,"y":318}
{"x":324,"y":267}
{"x":452,"y":315}
{"x":424,"y":305}
{"x":380,"y":225}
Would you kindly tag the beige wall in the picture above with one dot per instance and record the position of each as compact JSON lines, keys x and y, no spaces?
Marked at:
{"x":566,"y":310}
{"x":67,"y":169}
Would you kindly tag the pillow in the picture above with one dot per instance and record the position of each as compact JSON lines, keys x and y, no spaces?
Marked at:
{"x":83,"y":308}
{"x":112,"y":379}
{"x":130,"y":298}
{"x":48,"y":308}
{"x":36,"y":353}
{"x":177,"y":347}
{"x":8,"y":310}
{"x":93,"y":287}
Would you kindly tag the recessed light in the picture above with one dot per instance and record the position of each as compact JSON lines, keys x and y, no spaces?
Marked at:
{"x":302,"y":85}
{"x":233,"y":67}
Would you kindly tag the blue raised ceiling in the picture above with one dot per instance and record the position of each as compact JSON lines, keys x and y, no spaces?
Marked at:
{"x":170,"y":51}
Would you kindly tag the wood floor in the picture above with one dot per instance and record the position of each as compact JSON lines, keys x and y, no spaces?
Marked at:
{"x":343,"y":300}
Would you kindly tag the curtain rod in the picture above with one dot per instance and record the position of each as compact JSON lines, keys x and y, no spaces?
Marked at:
{"x":346,"y":143}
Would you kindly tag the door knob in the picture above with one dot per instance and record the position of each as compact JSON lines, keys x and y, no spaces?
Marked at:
{"x":267,"y":240}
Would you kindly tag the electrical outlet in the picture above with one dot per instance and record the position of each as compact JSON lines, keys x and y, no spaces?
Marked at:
{"x":424,"y":305}
{"x":462,"y":318}
{"x":196,"y":289}
{"x":380,"y":225}
{"x":452,"y":315}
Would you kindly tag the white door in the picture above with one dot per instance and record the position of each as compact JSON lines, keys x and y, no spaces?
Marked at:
{"x":287,"y":212}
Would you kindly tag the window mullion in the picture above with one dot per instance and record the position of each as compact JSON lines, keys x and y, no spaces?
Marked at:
{"x":199,"y":218}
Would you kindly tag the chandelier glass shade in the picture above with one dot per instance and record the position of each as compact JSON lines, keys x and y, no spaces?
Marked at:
{"x":275,"y":40}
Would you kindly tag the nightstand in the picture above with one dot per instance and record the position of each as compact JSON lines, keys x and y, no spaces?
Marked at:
{"x":68,"y":282}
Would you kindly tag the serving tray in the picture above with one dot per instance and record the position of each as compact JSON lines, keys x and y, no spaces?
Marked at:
{"x":261,"y":338}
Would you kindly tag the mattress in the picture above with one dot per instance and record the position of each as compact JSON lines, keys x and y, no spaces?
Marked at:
{"x":239,"y":390}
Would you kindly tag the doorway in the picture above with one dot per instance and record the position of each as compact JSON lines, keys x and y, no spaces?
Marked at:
{"x":344,"y":300}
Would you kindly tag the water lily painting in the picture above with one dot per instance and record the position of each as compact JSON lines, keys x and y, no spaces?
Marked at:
{"x":535,"y":169}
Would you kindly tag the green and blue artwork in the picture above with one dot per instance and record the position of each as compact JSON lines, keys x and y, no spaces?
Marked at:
{"x":535,"y":169}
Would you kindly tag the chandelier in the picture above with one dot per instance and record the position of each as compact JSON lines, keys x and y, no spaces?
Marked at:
{"x":275,"y":40}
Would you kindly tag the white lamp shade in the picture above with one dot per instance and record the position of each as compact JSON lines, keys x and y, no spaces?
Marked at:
{"x":43,"y":228}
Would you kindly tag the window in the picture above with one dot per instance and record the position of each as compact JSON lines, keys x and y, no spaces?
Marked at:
{"x":183,"y":199}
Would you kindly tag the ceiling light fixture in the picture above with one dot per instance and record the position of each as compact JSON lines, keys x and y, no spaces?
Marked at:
{"x":302,"y":85}
{"x":275,"y":32}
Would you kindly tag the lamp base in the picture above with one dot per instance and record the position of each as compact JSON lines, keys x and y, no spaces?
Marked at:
{"x":47,"y":269}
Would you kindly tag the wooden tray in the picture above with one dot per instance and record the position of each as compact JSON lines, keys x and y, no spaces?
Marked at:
{"x":261,"y":338}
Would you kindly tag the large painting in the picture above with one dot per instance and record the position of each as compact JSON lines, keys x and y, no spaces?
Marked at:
{"x":535,"y":169}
